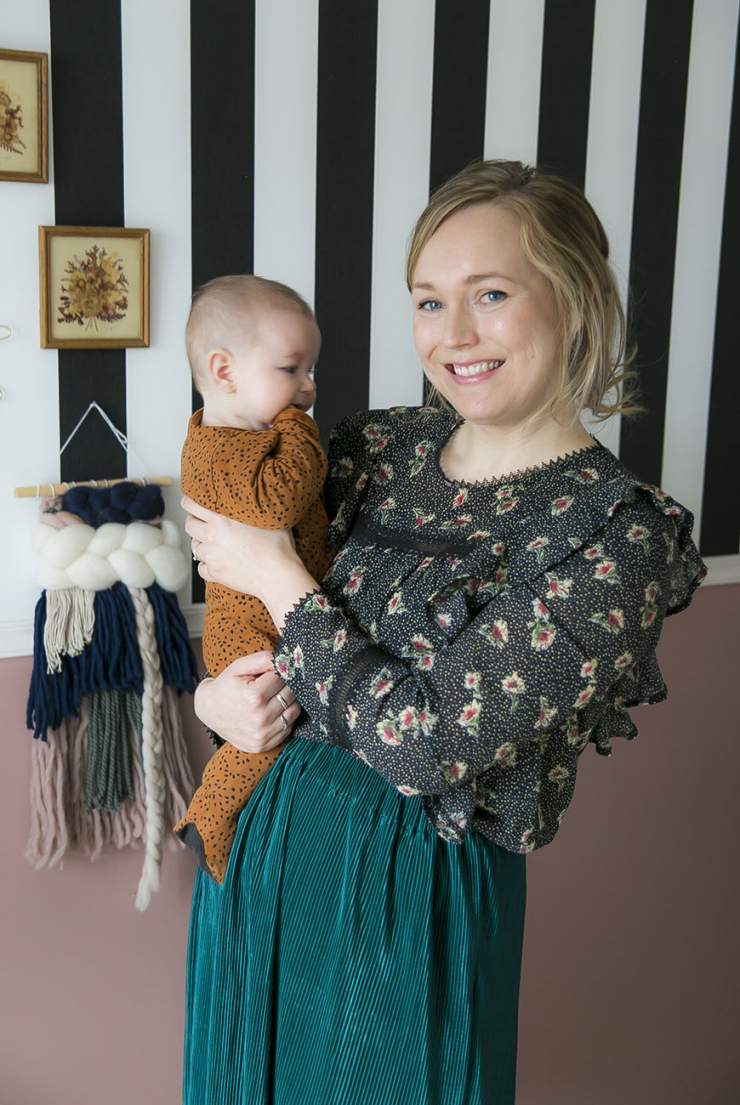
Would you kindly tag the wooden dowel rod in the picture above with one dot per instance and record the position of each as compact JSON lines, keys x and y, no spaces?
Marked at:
{"x":44,"y":490}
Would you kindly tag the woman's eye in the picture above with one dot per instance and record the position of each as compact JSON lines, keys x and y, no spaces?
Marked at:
{"x":429,"y":305}
{"x":492,"y":297}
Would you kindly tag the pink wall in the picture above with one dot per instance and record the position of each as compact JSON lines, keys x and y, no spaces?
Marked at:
{"x":631,"y":959}
{"x":631,"y":956}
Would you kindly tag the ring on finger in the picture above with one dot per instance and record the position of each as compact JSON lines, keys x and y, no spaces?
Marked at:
{"x":281,"y":700}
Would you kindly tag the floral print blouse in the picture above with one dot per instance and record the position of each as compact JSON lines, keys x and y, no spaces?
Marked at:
{"x":470,"y":640}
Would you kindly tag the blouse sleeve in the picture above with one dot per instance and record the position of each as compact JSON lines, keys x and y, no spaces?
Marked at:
{"x":274,"y":482}
{"x":571,"y":641}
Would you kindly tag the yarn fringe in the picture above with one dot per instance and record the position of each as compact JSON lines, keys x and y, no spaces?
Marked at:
{"x":110,"y":765}
{"x":70,"y":621}
{"x":59,"y":824}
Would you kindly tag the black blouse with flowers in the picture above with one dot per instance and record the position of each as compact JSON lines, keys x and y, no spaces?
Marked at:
{"x":470,"y":640}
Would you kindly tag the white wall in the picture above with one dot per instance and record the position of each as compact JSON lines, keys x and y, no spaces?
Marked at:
{"x":157,"y":161}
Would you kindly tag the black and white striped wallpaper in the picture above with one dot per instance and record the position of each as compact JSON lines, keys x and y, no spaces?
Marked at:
{"x":300,"y":139}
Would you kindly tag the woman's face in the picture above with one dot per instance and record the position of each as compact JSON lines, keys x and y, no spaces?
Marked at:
{"x":485,"y":320}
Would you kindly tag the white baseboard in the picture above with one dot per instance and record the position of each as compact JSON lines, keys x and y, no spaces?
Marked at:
{"x":16,"y":638}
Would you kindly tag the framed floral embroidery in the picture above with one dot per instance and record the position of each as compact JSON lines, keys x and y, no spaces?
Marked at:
{"x":23,"y":116}
{"x":94,"y":287}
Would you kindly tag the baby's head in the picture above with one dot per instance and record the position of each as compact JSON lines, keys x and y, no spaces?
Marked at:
{"x":252,"y":345}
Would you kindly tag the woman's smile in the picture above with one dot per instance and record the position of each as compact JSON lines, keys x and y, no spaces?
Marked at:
{"x":473,"y":369}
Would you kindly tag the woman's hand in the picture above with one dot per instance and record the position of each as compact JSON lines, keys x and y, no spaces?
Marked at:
{"x":257,"y":562}
{"x":239,"y":556}
{"x":243,"y":707}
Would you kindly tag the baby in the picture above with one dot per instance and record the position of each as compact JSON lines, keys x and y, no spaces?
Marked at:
{"x":253,"y":454}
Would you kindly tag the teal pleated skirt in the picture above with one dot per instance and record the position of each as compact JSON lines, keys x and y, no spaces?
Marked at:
{"x":351,"y":957}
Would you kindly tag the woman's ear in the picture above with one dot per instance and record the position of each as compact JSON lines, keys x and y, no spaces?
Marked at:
{"x":220,"y":369}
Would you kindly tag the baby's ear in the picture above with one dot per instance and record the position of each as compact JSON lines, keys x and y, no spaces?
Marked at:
{"x":220,"y":368}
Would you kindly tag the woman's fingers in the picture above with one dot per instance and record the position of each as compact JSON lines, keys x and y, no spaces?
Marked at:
{"x":195,"y":510}
{"x":257,"y":663}
{"x":242,"y":704}
{"x":195,"y":527}
{"x":283,"y":726}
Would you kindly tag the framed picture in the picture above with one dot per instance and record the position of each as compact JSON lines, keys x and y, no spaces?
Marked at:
{"x":23,"y":119}
{"x":94,"y":287}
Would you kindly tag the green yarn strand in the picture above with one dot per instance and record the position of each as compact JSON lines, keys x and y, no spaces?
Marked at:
{"x":108,"y":766}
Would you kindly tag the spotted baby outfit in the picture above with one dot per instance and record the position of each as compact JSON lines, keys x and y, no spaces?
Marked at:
{"x":271,"y":479}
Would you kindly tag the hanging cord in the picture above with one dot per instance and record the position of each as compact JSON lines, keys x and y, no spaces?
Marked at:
{"x":119,"y":435}
{"x":152,"y":732}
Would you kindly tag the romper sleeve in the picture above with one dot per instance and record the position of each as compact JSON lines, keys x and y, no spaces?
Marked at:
{"x":271,"y":481}
{"x":571,"y":640}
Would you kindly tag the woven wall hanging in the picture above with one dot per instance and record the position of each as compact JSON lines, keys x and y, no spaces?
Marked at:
{"x":111,"y":658}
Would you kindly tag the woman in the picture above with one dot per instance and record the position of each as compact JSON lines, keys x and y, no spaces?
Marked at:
{"x":494,"y":607}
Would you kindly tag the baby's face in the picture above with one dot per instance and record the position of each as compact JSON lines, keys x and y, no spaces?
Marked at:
{"x":275,"y":370}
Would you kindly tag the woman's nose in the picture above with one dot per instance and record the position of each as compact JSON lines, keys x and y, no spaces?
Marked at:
{"x":459,"y":329}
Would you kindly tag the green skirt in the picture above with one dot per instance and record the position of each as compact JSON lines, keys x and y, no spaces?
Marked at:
{"x":351,"y":957}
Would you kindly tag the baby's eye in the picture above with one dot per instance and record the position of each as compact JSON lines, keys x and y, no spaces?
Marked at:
{"x":429,"y":305}
{"x":492,"y":297}
{"x":291,"y":369}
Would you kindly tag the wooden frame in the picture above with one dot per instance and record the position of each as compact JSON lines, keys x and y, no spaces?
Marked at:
{"x":94,"y":284}
{"x":24,"y":136}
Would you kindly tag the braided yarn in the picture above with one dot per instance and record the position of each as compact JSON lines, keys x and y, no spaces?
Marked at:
{"x":136,"y":554}
{"x":151,"y":747}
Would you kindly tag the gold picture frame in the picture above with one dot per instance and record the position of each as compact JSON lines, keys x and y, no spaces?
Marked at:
{"x":94,"y":284}
{"x":24,"y":135}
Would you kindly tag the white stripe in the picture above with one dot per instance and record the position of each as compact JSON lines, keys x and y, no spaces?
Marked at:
{"x":699,"y":238}
{"x":402,"y":145}
{"x":156,"y":170}
{"x":29,"y":409}
{"x":286,"y":66}
{"x":614,"y":111}
{"x":513,"y":87}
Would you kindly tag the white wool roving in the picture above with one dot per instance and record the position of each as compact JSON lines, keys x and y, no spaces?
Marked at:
{"x":137,"y":555}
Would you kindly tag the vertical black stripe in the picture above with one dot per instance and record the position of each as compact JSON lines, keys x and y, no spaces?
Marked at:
{"x":222,"y":148}
{"x":720,"y":515}
{"x":88,"y":191}
{"x":657,"y":184}
{"x":567,"y":49}
{"x":345,"y":147}
{"x":222,"y":138}
{"x":458,"y":92}
{"x":459,"y":87}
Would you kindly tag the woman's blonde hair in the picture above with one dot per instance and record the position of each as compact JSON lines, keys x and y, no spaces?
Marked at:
{"x":562,"y":236}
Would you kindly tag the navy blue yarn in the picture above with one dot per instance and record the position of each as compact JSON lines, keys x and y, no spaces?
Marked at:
{"x":176,"y":656}
{"x":112,"y":661}
{"x":124,"y":502}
